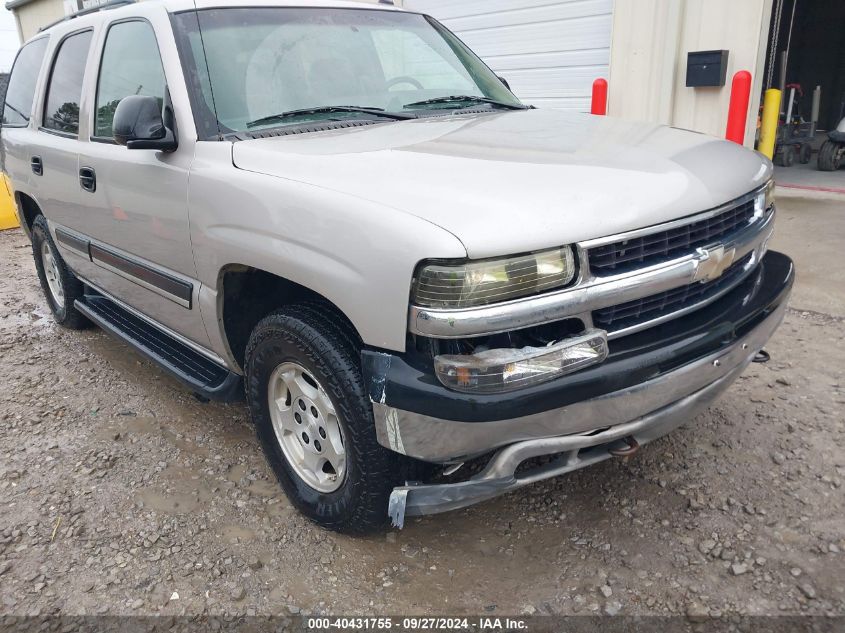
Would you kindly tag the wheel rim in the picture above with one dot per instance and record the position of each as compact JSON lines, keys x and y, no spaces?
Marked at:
{"x":307,"y":427}
{"x":51,"y":272}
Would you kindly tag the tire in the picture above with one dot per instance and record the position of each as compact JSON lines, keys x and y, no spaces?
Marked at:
{"x":60,"y":286}
{"x":805,"y":153}
{"x":829,"y":160}
{"x":301,"y":338}
{"x":786,"y":156}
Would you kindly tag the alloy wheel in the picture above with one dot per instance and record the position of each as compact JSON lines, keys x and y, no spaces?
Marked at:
{"x":52,"y":273}
{"x":307,"y":427}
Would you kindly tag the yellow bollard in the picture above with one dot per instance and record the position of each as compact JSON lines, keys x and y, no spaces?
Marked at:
{"x":769,"y":127}
{"x":8,"y":218}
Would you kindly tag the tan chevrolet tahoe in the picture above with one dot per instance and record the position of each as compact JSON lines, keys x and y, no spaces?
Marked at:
{"x":429,"y":292}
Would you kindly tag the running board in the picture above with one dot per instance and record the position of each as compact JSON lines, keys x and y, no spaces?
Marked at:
{"x":200,"y":374}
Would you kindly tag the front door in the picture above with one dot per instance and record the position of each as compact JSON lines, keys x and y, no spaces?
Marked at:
{"x":137,"y":216}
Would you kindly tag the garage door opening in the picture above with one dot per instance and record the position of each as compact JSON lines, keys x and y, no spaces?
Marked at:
{"x":806,"y":61}
{"x":809,"y":36}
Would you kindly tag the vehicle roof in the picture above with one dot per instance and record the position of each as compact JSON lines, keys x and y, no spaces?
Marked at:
{"x":140,"y":7}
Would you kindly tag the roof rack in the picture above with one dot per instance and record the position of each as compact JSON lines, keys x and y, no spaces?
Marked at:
{"x":111,"y":4}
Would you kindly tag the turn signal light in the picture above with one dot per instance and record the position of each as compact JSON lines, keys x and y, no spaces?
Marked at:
{"x":503,"y":370}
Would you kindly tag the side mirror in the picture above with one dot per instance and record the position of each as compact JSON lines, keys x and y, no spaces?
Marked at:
{"x":504,"y":81}
{"x":138,"y":124}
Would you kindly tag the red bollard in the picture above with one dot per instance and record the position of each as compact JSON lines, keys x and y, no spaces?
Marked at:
{"x":599,"y":105}
{"x":738,"y":110}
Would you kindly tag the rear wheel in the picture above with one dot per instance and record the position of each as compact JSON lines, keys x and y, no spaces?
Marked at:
{"x":61,"y":288}
{"x":830,"y":156}
{"x":314,"y":419}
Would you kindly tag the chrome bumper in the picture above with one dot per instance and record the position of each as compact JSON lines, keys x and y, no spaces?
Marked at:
{"x":645,"y":412}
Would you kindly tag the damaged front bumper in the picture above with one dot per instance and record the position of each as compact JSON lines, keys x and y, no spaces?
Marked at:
{"x":572,"y":451}
{"x":650,"y":385}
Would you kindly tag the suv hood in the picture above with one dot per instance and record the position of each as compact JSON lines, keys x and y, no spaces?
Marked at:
{"x":518,"y":181}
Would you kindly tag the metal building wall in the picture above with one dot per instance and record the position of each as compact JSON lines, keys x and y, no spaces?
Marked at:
{"x":550,"y":51}
{"x":32,"y":15}
{"x":651,"y":39}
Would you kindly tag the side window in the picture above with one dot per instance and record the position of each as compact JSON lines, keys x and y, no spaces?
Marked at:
{"x":131,"y":66}
{"x":65,"y":89}
{"x":21,"y":90}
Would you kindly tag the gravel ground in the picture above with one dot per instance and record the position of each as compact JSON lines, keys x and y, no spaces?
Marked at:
{"x":120,"y":493}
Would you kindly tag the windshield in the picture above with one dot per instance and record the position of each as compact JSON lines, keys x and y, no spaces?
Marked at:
{"x":249,"y":66}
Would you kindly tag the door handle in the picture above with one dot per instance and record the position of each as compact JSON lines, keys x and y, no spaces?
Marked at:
{"x":37,"y":165}
{"x":88,"y":179}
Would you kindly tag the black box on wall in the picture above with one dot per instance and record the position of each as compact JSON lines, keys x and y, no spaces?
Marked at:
{"x":707,"y":68}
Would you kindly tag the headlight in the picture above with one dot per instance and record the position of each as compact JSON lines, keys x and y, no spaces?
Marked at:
{"x":502,"y":370}
{"x":468,"y":284}
{"x":765,"y":199}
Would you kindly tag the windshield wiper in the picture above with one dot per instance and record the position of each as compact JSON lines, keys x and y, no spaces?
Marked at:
{"x":396,"y":116}
{"x":467,"y":99}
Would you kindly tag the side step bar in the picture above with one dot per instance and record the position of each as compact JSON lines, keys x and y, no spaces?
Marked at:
{"x":200,"y":374}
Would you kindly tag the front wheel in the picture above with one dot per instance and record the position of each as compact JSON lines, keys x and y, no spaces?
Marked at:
{"x":312,"y":415}
{"x":60,"y":286}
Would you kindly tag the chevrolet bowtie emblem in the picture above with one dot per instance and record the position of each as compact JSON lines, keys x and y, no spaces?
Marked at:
{"x":712,"y":262}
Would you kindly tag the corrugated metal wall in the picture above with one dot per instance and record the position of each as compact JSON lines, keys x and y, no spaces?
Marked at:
{"x":550,"y":51}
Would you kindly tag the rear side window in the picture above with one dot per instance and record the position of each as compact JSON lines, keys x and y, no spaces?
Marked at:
{"x":65,"y":88}
{"x":21,"y":90}
{"x":131,"y":66}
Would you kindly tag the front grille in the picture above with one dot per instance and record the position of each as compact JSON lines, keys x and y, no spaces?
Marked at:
{"x":656,"y":248}
{"x":633,"y":313}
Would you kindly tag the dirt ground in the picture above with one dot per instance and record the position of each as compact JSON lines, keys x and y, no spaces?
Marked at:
{"x":120,"y":493}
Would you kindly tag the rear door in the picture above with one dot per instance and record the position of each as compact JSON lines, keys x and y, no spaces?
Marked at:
{"x":56,"y":145}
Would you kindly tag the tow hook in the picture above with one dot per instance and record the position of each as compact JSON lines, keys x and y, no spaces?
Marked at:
{"x":633,"y":448}
{"x":762,"y":357}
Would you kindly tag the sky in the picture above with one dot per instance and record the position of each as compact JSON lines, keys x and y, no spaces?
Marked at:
{"x":8,"y":38}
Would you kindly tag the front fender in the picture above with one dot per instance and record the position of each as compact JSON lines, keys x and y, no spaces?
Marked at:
{"x":357,"y":254}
